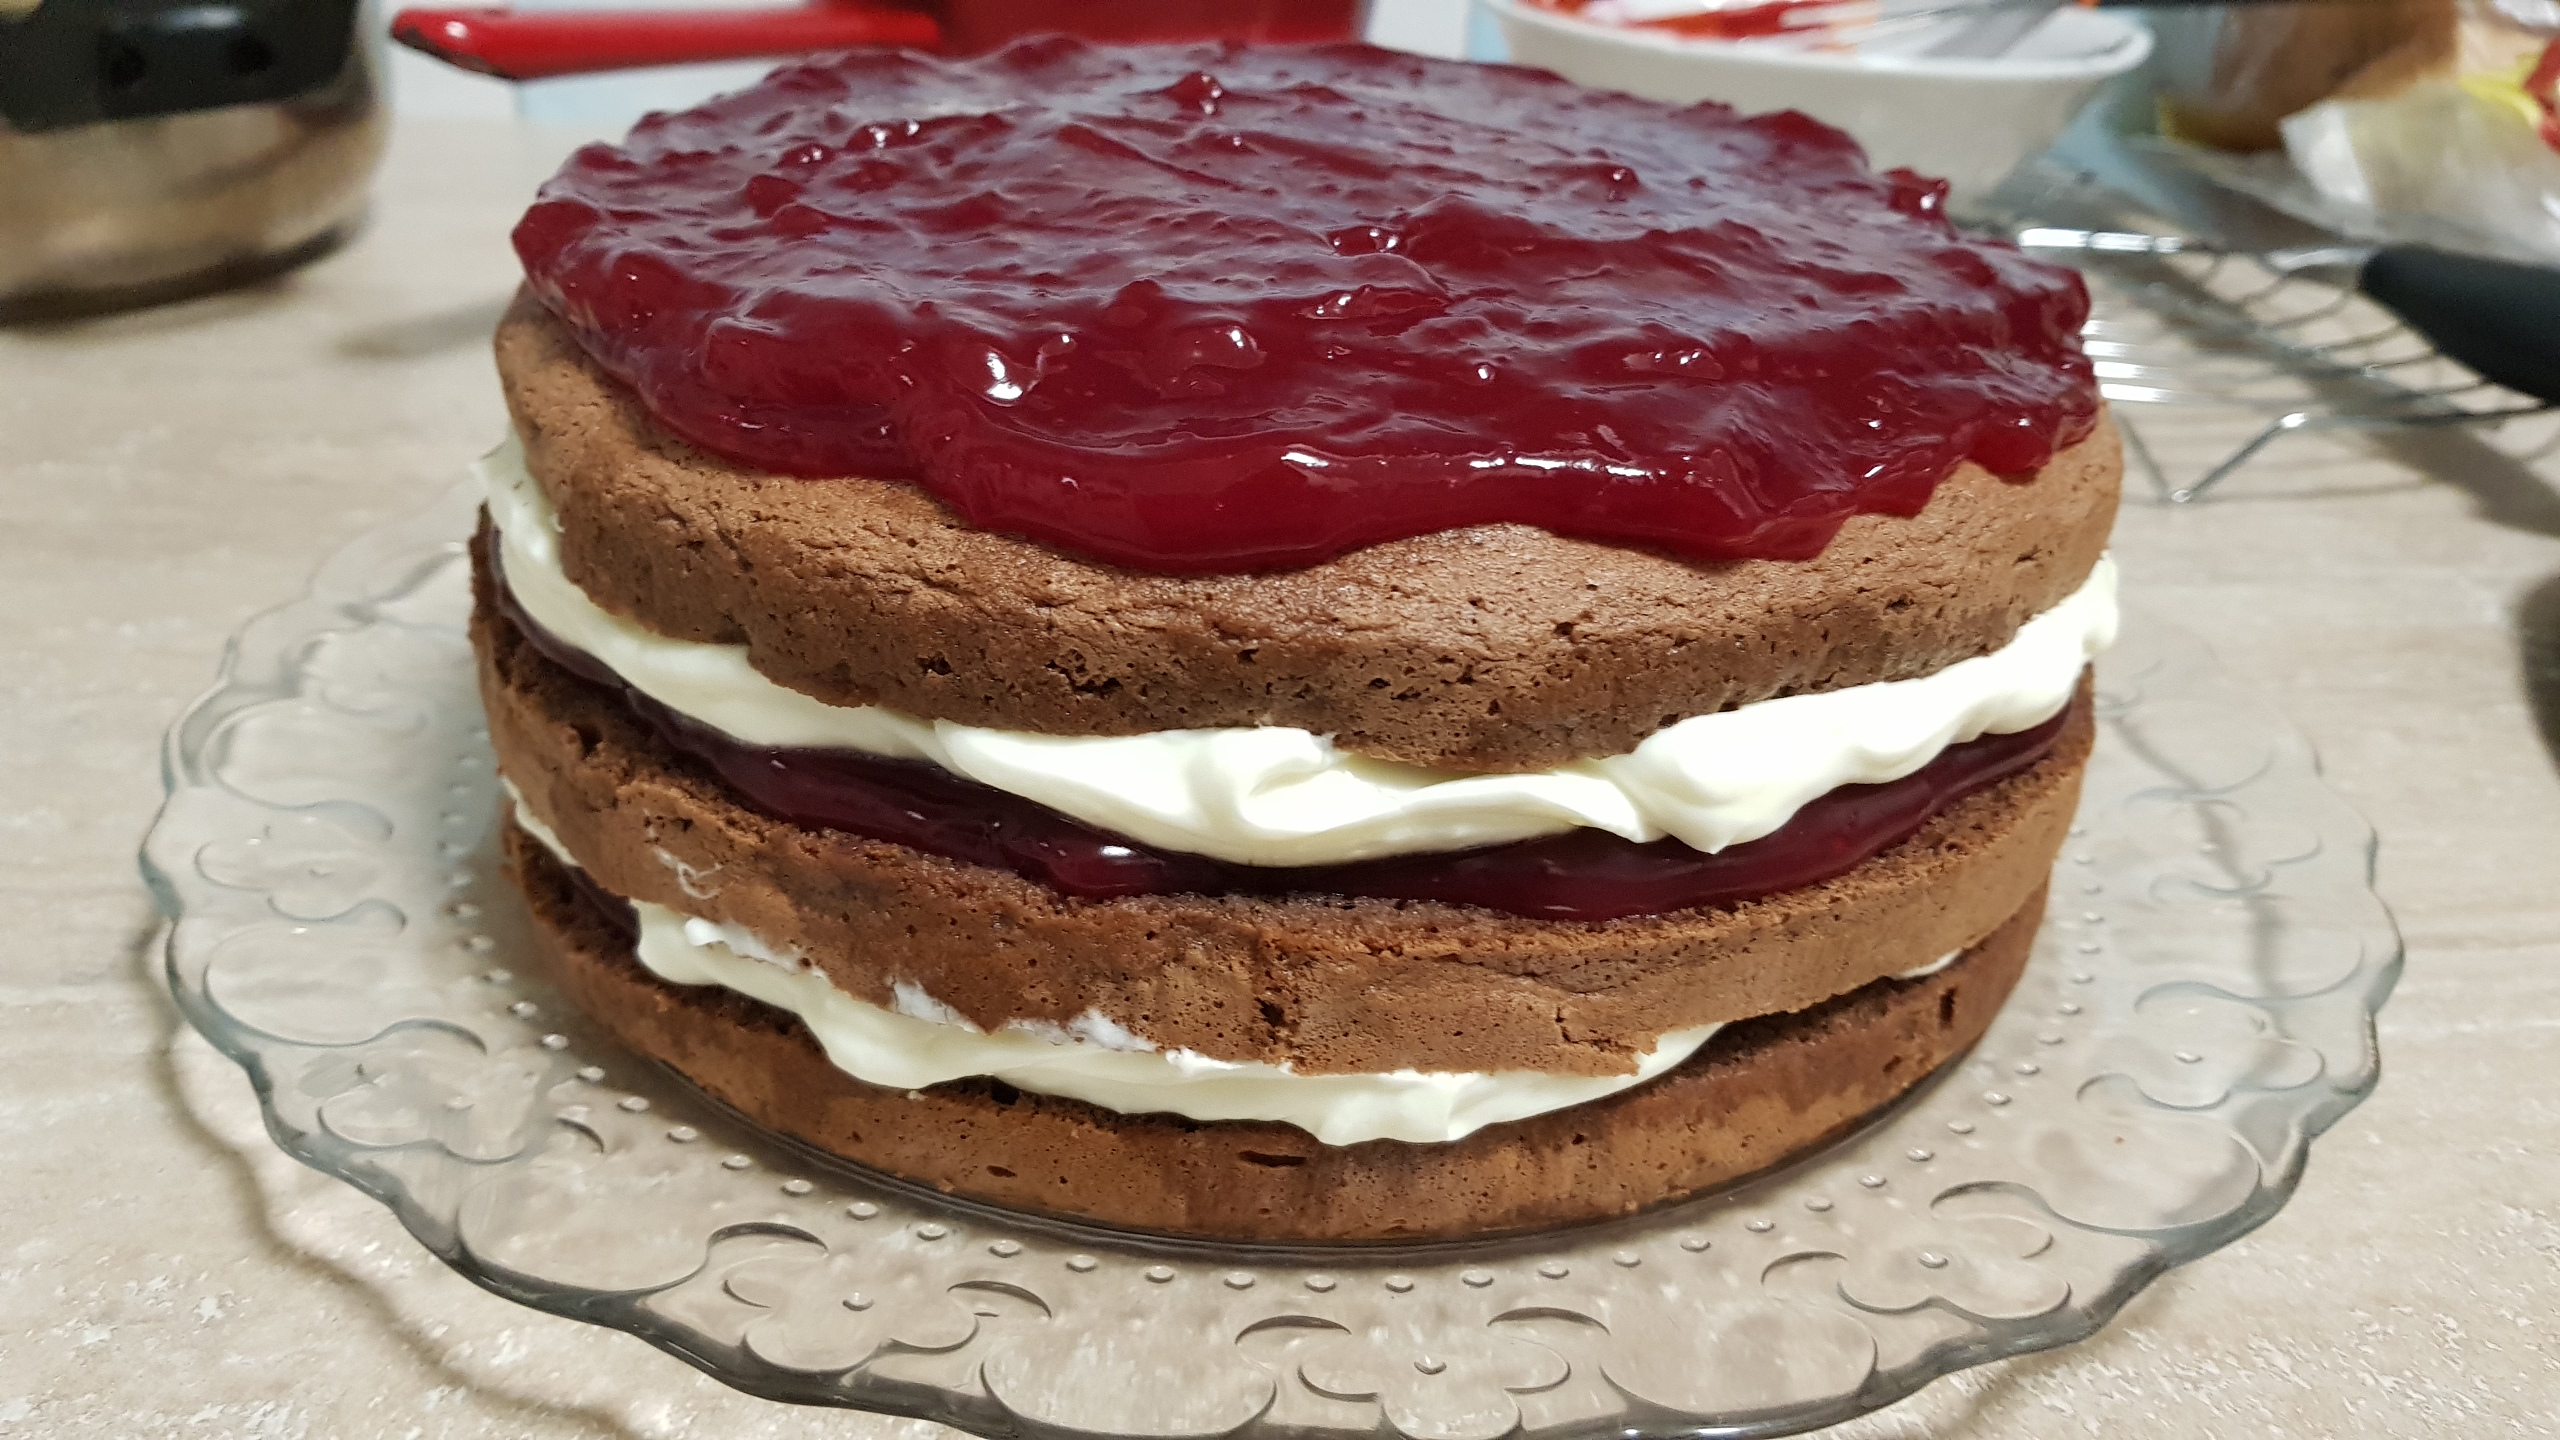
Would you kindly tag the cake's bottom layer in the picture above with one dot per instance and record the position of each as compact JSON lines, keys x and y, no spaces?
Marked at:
{"x":1761,"y":1091}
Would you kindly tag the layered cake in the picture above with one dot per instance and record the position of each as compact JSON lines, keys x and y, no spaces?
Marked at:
{"x":1284,"y":644}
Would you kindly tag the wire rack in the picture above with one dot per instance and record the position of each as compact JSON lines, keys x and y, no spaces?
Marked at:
{"x":2294,"y":349}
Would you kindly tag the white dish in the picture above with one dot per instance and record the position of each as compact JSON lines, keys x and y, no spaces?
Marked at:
{"x":1969,"y":121}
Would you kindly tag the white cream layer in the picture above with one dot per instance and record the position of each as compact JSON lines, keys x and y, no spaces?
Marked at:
{"x":1278,"y":796}
{"x":922,"y":1041}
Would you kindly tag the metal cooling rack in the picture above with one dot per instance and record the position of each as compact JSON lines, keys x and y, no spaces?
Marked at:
{"x":2227,"y":351}
{"x":2298,"y":348}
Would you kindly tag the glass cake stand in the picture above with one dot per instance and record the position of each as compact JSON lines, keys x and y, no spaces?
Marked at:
{"x":2200,"y":1006}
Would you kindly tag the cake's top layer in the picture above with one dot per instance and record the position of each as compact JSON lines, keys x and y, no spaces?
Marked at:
{"x":1496,"y":648}
{"x":1213,"y":310}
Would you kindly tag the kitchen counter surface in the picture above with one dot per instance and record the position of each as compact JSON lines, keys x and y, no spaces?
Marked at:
{"x":164,"y":1272}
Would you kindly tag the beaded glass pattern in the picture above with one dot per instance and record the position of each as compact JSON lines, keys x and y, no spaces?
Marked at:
{"x":2200,"y":1005}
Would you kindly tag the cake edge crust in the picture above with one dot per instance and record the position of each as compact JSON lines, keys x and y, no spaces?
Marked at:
{"x":1489,"y":648}
{"x":1763,"y":1091}
{"x":1321,"y":983}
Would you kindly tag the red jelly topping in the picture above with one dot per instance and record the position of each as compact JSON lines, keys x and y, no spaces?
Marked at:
{"x":1204,"y":309}
{"x":1579,"y":875}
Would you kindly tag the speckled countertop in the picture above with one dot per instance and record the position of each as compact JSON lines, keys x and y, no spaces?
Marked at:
{"x":166,"y":474}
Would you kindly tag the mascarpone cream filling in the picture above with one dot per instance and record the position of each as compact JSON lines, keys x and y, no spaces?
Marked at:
{"x":1277,"y":796}
{"x":920,"y":1041}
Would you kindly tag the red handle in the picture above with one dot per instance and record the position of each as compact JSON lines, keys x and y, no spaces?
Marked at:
{"x":519,"y":46}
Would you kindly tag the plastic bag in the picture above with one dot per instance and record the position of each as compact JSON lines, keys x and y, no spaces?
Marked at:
{"x":2475,"y":145}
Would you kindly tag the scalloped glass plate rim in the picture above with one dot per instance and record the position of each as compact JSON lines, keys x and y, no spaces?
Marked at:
{"x":398,"y":581}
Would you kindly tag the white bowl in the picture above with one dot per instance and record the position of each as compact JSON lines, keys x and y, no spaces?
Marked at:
{"x":1968,"y":121}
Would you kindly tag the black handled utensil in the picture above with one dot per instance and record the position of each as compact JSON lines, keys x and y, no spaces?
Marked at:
{"x":2496,"y":316}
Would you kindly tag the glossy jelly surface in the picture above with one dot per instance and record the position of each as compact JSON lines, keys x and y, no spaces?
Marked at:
{"x":1196,"y":308}
{"x":1579,"y":875}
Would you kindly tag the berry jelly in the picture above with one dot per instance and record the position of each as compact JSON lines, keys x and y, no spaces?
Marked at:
{"x":1200,"y":308}
{"x":1579,"y":875}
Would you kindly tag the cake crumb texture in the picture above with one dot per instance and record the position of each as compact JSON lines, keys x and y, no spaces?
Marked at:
{"x":1759,"y":1092}
{"x":1321,"y":983}
{"x":1490,"y":648}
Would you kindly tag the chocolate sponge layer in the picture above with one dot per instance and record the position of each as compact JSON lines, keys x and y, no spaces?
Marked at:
{"x":1322,"y":983}
{"x":1497,"y":647}
{"x":1759,"y":1092}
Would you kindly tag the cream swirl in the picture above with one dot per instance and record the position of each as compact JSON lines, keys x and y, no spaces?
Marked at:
{"x":1277,"y":796}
